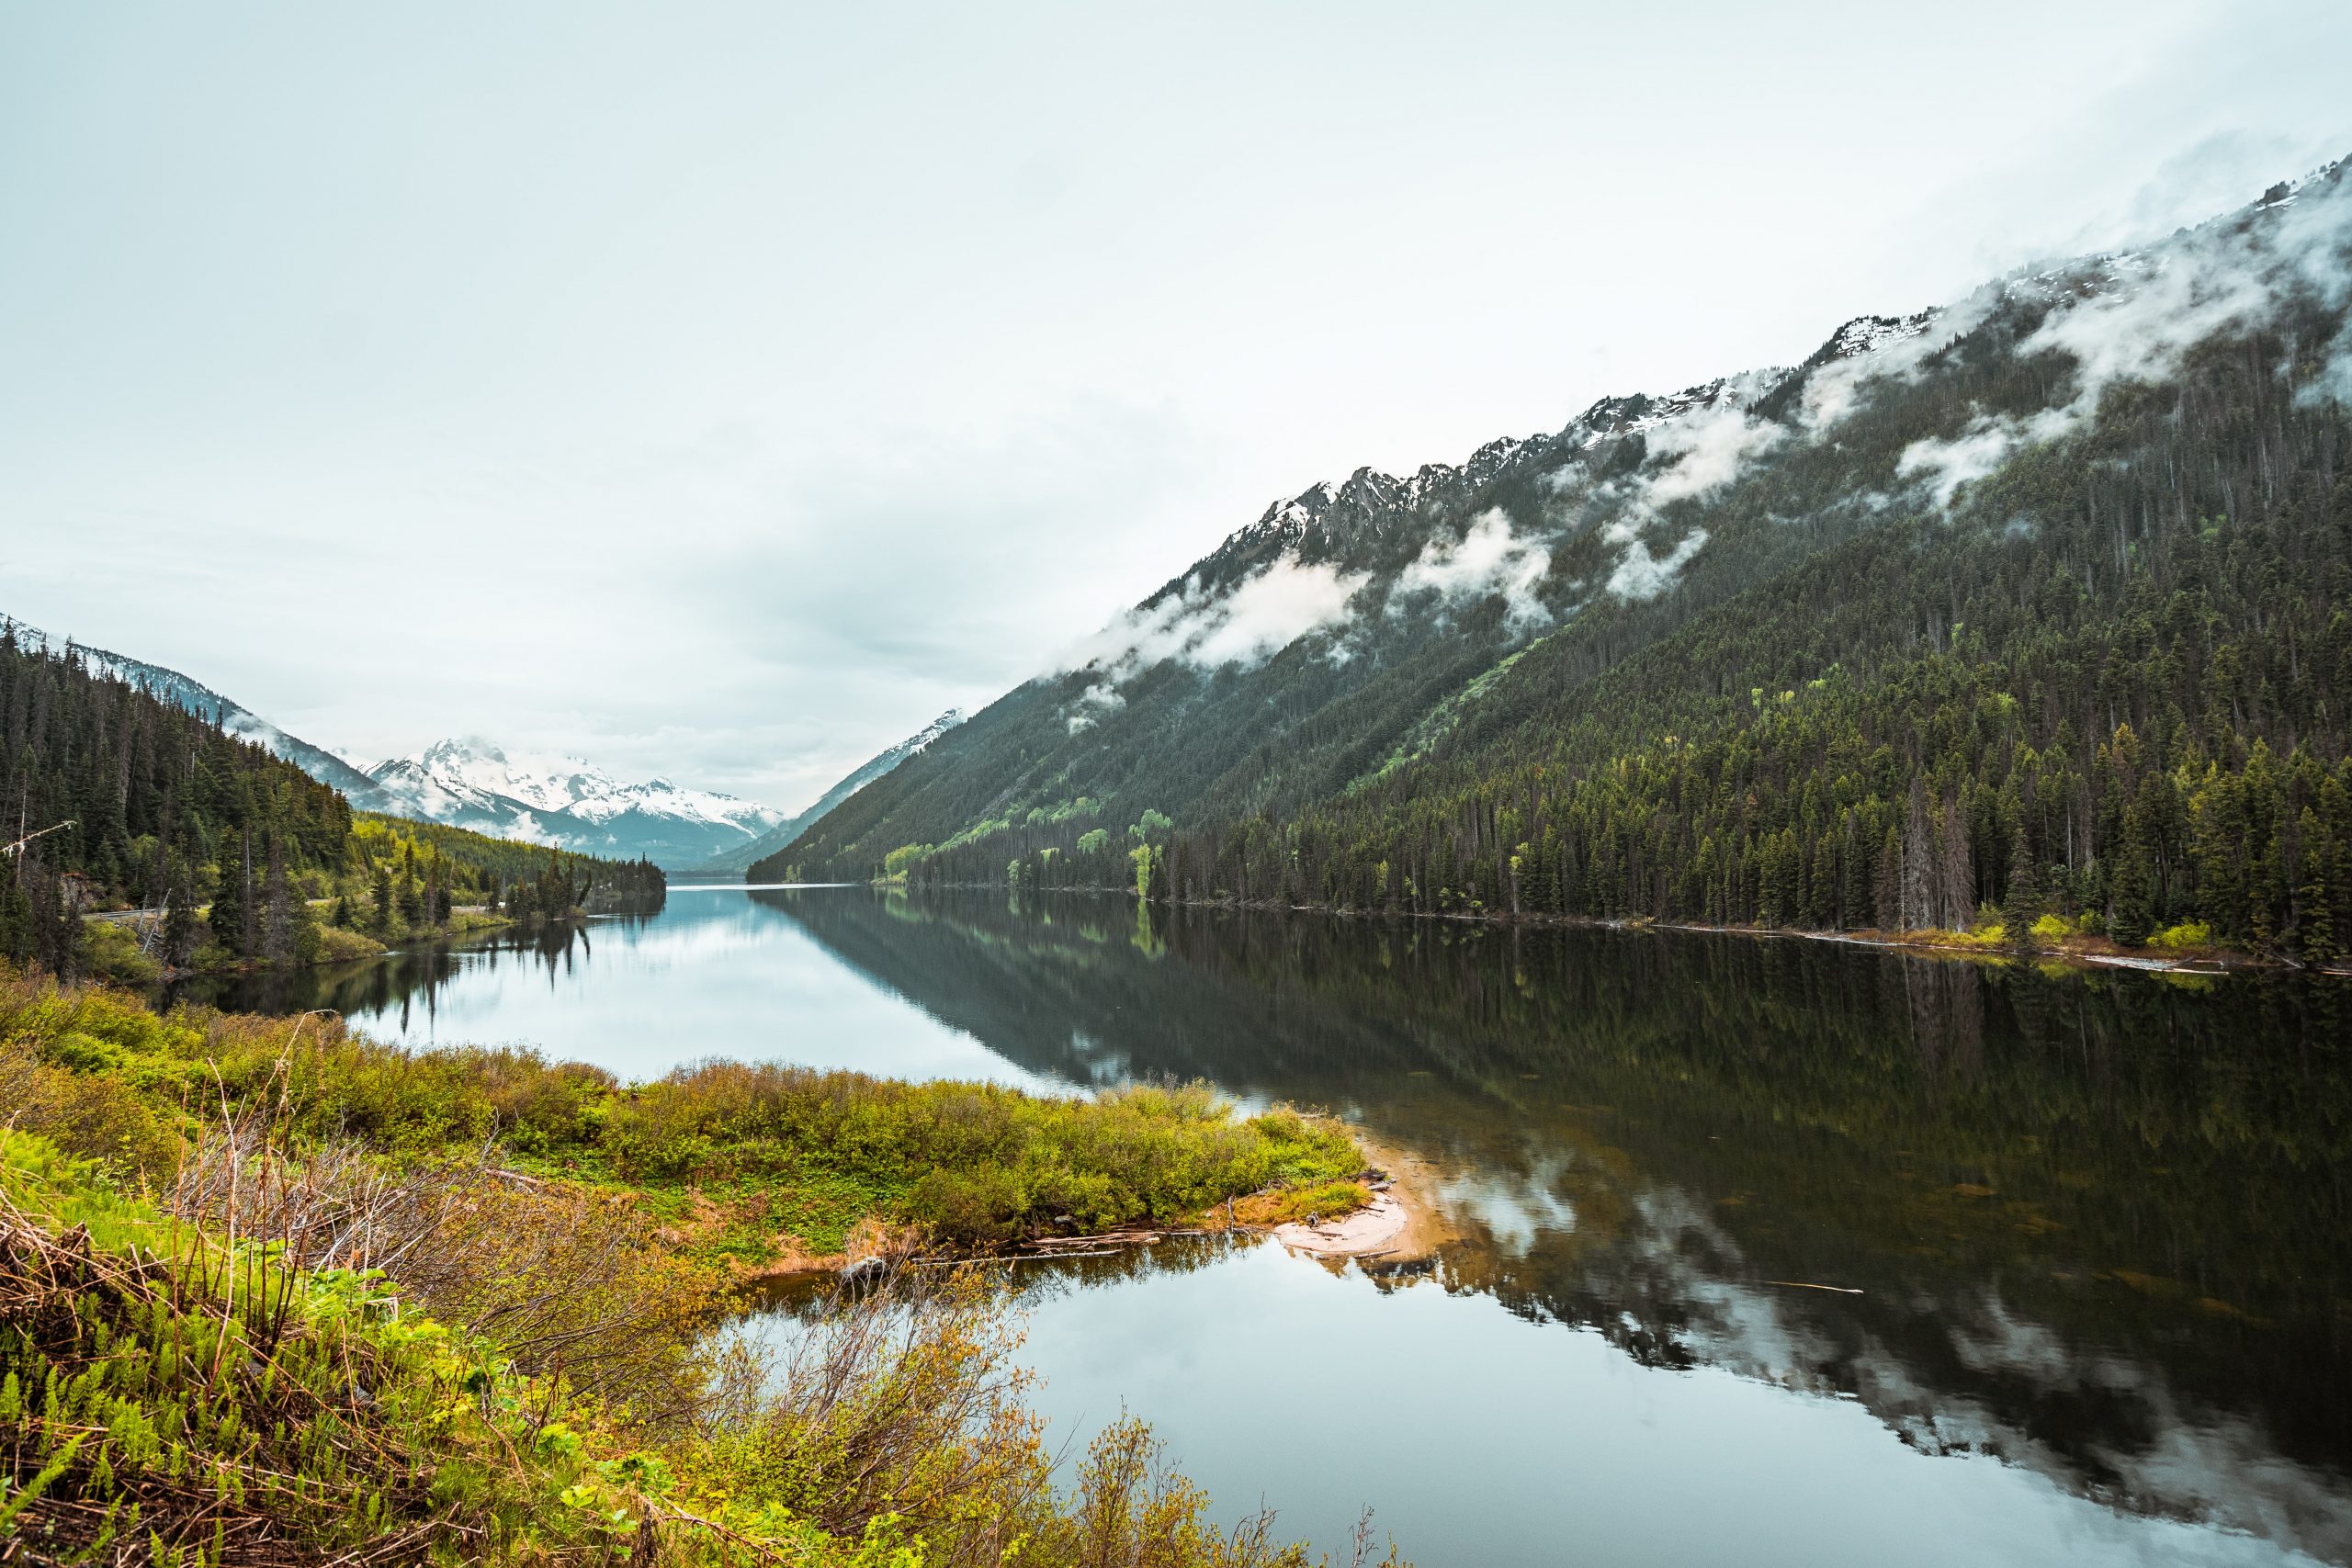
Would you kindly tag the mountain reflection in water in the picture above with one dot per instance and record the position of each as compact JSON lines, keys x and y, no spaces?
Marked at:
{"x":2098,"y":1222}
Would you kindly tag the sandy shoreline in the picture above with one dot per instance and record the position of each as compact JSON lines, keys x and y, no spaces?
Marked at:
{"x":1401,"y":1225}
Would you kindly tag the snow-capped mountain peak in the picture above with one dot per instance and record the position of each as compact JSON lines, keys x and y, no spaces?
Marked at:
{"x":474,"y":783}
{"x":931,"y":731}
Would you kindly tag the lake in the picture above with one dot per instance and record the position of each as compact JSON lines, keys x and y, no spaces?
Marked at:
{"x":2085,"y":1236}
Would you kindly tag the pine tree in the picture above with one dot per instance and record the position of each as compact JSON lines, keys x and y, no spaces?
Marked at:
{"x":2134,"y":913}
{"x":230,"y":917}
{"x":16,"y":919}
{"x":2314,"y":921}
{"x":1957,"y":873}
{"x":276,"y":913}
{"x":1917,"y":889}
{"x":1886,"y":883}
{"x":180,"y":937}
{"x":2022,"y":905}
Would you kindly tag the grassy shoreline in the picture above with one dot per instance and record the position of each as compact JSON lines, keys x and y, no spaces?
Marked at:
{"x":276,"y":1292}
{"x":752,"y":1168}
{"x":110,"y":948}
{"x":2076,"y":948}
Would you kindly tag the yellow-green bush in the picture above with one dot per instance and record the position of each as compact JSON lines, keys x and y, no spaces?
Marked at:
{"x":2188,"y":934}
{"x":976,"y":1163}
{"x":320,"y":1413}
{"x":110,"y":951}
{"x":972,"y":1162}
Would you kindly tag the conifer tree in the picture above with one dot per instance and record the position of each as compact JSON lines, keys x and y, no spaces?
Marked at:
{"x":231,"y":917}
{"x":2133,"y":915}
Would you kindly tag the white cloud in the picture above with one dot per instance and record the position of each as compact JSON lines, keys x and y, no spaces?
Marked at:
{"x":1092,"y":702}
{"x":1641,"y":575}
{"x":1488,"y":559}
{"x":1977,"y":451}
{"x":1707,"y":451}
{"x":2148,"y":311}
{"x":1702,"y":453}
{"x":1243,"y":625}
{"x":1269,"y":612}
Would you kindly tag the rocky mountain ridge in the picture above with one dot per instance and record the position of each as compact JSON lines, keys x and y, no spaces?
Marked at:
{"x":1359,"y":624}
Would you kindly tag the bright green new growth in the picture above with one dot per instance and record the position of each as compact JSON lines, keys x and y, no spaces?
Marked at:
{"x":787,"y":1150}
{"x":270,"y":1296}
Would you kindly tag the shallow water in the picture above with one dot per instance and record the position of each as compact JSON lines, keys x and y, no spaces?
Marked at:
{"x":2098,"y":1222}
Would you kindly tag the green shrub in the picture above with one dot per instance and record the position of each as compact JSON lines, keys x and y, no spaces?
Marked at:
{"x":547,"y":1392}
{"x":982,"y":1204}
{"x":337,"y":945}
{"x":110,"y":951}
{"x":978,"y":1163}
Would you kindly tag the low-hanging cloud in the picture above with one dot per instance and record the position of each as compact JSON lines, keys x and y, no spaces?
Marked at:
{"x":1488,"y":559}
{"x":2146,"y":311}
{"x":1642,"y":576}
{"x":1701,"y":454}
{"x":1975,"y":452}
{"x":1707,"y":451}
{"x":1241,"y":624}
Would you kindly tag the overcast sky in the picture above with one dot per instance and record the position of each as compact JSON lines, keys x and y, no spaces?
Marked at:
{"x":723,"y":390}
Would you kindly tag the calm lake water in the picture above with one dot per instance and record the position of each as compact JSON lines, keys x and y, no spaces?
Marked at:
{"x":2100,"y":1224}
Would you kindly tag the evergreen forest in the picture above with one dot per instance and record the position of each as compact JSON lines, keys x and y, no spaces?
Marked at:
{"x":119,"y":800}
{"x":2090,"y":682}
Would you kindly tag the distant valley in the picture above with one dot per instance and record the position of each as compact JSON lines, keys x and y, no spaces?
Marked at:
{"x":565,"y":802}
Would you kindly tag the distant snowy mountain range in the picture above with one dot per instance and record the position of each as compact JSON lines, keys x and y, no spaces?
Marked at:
{"x":470,"y":782}
{"x":564,"y":802}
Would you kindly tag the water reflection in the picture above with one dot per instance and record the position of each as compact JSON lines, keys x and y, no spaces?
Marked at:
{"x":404,"y":988}
{"x":2098,"y":1222}
{"x":713,"y":974}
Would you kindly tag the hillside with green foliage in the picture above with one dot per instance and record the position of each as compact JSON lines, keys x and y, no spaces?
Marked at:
{"x":271,"y":1292}
{"x":117,"y":798}
{"x":2036,"y":602}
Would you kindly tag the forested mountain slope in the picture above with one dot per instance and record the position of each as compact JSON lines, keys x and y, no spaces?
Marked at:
{"x":117,"y":794}
{"x":208,"y":705}
{"x":2036,"y":598}
{"x":738,"y":859}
